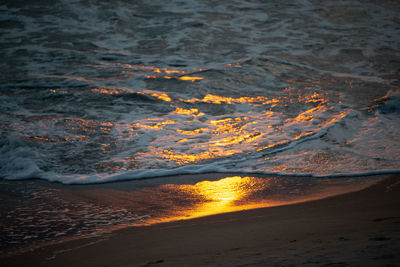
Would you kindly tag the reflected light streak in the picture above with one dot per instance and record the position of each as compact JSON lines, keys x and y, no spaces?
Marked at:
{"x":153,"y":126}
{"x":228,"y":189}
{"x":227,"y":136}
{"x":190,"y":78}
{"x":215,"y":197}
{"x":173,"y":71}
{"x":42,"y":139}
{"x":163,"y":96}
{"x":193,"y":132}
{"x":307,"y":115}
{"x":184,"y":158}
{"x":166,"y":74}
{"x":338,"y":117}
{"x":193,"y":112}
{"x":317,"y":98}
{"x":108,"y":91}
{"x":229,"y":125}
{"x":182,"y":78}
{"x":233,"y":140}
{"x":235,"y":65}
{"x":214,"y":99}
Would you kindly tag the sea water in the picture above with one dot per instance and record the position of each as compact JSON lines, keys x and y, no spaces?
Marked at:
{"x":96,"y":91}
{"x":100,"y":91}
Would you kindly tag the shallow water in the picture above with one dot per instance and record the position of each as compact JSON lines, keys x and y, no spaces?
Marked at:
{"x":93,"y":92}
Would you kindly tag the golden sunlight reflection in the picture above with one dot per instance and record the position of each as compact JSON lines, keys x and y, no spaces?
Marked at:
{"x":192,"y":112}
{"x":226,"y":190}
{"x":308,"y":114}
{"x":172,"y":74}
{"x":236,"y":193}
{"x":158,"y":125}
{"x":231,"y":140}
{"x":162,"y":96}
{"x":190,"y":78}
{"x":192,"y":132}
{"x":214,"y":197}
{"x":173,"y":201}
{"x":183,"y":158}
{"x":229,"y":125}
{"x":226,"y":195}
{"x":228,"y":134}
{"x":108,"y":91}
{"x":230,"y":100}
{"x":191,"y":136}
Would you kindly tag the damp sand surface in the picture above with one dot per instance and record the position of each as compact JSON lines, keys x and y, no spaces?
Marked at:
{"x":36,"y":213}
{"x":359,"y":228}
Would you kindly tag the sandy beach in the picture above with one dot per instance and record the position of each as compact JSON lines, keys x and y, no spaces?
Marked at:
{"x":354,"y":229}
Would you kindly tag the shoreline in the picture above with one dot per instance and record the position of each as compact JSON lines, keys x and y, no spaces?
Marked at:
{"x":214,"y":174}
{"x":348,"y":229}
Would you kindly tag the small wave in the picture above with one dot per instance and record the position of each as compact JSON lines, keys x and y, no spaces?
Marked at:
{"x":187,"y":170}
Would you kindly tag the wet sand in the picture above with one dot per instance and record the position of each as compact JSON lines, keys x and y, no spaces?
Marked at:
{"x":355,"y":229}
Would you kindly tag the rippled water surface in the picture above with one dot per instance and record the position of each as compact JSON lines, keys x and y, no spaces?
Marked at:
{"x":94,"y":91}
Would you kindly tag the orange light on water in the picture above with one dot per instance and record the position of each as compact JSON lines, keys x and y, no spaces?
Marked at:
{"x":184,"y":158}
{"x":215,"y":99}
{"x":173,"y":71}
{"x":233,"y":140}
{"x":107,"y":91}
{"x":228,"y":125}
{"x":307,"y":115}
{"x":227,"y":189}
{"x":192,"y":132}
{"x":193,"y":112}
{"x":338,"y":117}
{"x":224,"y":136}
{"x":42,"y":139}
{"x":215,"y":197}
{"x":190,"y":78}
{"x":163,"y":96}
{"x":317,"y":98}
{"x":182,"y":78}
{"x":167,"y":74}
{"x":158,"y":125}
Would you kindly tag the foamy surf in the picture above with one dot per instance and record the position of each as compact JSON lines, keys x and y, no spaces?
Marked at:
{"x":323,"y":141}
{"x":168,"y":89}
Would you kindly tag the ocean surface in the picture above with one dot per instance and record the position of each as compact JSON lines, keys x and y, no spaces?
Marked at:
{"x":292,"y":98}
{"x":96,"y":91}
